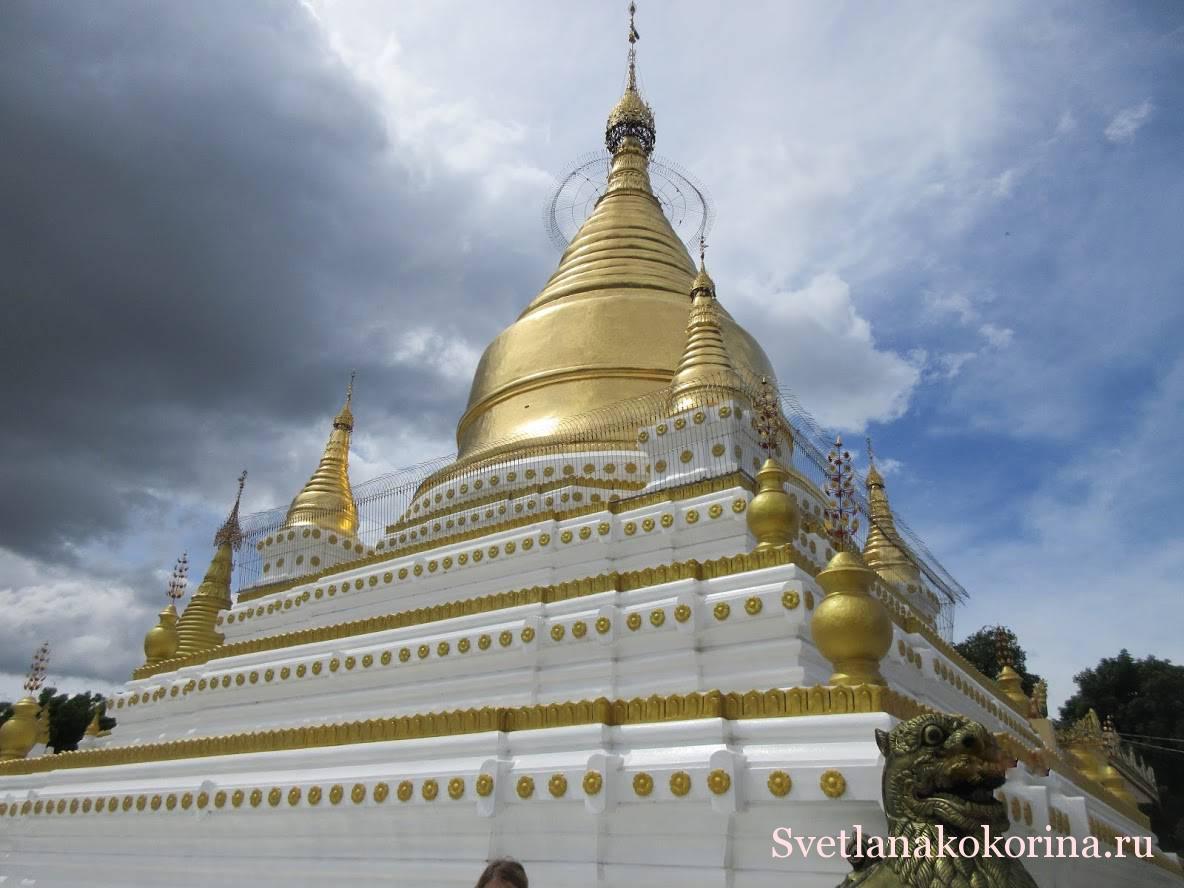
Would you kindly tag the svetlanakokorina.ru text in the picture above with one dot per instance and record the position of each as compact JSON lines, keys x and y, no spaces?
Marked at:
{"x":786,"y":844}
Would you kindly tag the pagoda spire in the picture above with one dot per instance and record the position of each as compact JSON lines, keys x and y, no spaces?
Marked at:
{"x":631,"y":122}
{"x":705,"y":364}
{"x":885,"y":551}
{"x":196,"y":627}
{"x":327,"y":500}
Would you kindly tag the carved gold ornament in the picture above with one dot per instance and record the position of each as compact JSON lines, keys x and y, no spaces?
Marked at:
{"x":404,"y":791}
{"x":381,"y":792}
{"x":833,"y":784}
{"x":579,"y":629}
{"x":753,"y":606}
{"x":722,"y":611}
{"x":719,"y":781}
{"x":680,"y":783}
{"x":256,"y":799}
{"x":643,"y":784}
{"x":275,"y":796}
{"x":358,"y":793}
{"x":657,"y":617}
{"x":525,"y":787}
{"x":780,"y":784}
{"x":314,"y":795}
{"x":633,"y":621}
{"x":790,"y":599}
{"x":682,"y":613}
{"x":484,"y":785}
{"x":506,"y":638}
{"x":294,"y":795}
{"x":557,"y":632}
{"x":484,"y":642}
{"x":557,"y":785}
{"x":456,"y":788}
{"x":603,"y":625}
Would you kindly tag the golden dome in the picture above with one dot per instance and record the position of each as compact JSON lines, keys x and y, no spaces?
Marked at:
{"x":609,"y":325}
{"x":327,"y":500}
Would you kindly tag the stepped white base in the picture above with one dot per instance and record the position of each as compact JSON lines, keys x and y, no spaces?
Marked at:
{"x":614,"y":837}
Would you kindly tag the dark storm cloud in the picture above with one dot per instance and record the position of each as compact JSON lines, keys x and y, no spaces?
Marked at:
{"x":200,"y":216}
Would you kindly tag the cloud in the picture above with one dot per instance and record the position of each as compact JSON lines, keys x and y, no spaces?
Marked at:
{"x":94,"y":625}
{"x":1123,"y":127}
{"x":997,"y":337}
{"x":823,"y":346}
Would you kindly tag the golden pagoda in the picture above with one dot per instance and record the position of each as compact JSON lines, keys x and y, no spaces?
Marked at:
{"x":884,"y":551}
{"x":327,"y":500}
{"x":705,"y":366}
{"x":196,"y":629}
{"x":610,"y":323}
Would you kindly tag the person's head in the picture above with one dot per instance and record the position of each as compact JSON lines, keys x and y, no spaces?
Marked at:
{"x":503,"y":873}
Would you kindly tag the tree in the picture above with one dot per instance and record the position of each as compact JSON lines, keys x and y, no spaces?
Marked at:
{"x":982,"y":649}
{"x":1145,"y":698}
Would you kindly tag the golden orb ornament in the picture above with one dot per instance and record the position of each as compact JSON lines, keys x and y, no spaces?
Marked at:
{"x":772,"y":515}
{"x":162,"y":640}
{"x":851,"y":627}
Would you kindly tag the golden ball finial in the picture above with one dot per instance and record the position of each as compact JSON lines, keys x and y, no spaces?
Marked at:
{"x":772,"y":515}
{"x":162,"y":640}
{"x":851,"y":627}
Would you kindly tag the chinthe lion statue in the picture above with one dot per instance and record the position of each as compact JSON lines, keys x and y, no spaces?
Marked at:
{"x":940,"y":776}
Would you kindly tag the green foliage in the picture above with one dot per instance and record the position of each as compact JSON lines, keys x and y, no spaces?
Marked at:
{"x":981,"y":648}
{"x":1144,"y":697}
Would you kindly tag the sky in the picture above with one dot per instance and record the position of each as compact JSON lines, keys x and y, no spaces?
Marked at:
{"x":953,"y":227}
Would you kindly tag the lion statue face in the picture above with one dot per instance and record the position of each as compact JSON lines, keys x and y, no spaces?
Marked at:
{"x":943,"y":769}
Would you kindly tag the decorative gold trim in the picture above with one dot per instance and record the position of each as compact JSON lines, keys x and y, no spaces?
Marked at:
{"x":719,"y":781}
{"x":557,"y":785}
{"x":776,"y":703}
{"x":780,"y":784}
{"x":643,"y":784}
{"x":832,"y":783}
{"x":484,"y":785}
{"x":680,"y":783}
